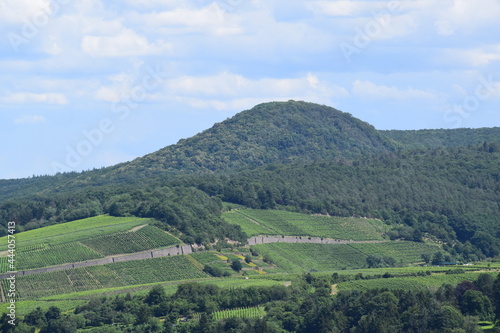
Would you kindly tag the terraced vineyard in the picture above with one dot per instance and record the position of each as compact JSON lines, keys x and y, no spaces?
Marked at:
{"x":56,"y":255}
{"x":324,"y":257}
{"x":73,"y":231}
{"x":274,"y":222}
{"x":106,"y":276}
{"x":146,"y":238}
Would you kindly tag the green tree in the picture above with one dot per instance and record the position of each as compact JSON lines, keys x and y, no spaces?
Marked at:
{"x":475,"y":303}
{"x":156,"y":296}
{"x":236,"y":265}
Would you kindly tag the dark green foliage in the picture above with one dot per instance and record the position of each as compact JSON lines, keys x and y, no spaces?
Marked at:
{"x":448,"y":194}
{"x":298,"y":156}
{"x":156,"y":296}
{"x":377,"y":262}
{"x":306,"y":306}
{"x":445,"y":138}
{"x":236,"y":265}
{"x":475,"y":303}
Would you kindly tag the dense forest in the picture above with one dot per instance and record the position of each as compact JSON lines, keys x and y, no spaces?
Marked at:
{"x":306,"y":306}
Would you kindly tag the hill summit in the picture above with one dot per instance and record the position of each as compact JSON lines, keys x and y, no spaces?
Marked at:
{"x":276,"y":132}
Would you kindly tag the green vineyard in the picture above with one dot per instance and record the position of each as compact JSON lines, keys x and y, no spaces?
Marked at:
{"x":324,"y":257}
{"x":250,"y":312}
{"x":106,"y":276}
{"x":146,"y":238}
{"x":60,"y":254}
{"x":406,"y":283}
{"x":274,"y":222}
{"x":210,"y":259}
{"x":73,"y":231}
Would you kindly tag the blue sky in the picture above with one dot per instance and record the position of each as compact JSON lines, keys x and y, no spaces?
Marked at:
{"x":90,"y":83}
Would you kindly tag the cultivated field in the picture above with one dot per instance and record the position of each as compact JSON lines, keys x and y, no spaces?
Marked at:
{"x":328,"y":257}
{"x":73,"y":231}
{"x":106,"y":276}
{"x":274,"y":222}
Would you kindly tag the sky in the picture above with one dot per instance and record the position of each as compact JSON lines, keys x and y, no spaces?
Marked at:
{"x":88,"y":83}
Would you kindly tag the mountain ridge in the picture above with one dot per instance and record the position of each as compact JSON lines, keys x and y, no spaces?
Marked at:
{"x":269,"y":133}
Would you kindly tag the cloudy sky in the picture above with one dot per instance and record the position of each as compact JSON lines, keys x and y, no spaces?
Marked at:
{"x":90,"y":83}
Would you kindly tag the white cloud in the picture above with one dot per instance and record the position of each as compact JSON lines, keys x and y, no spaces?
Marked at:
{"x":20,"y":11}
{"x":120,"y":87}
{"x":29,"y":119}
{"x":368,"y":89}
{"x":211,"y":19}
{"x":224,"y":90}
{"x":126,"y":43}
{"x":228,"y":84}
{"x":26,"y":98}
{"x":346,"y":8}
{"x":474,"y":57}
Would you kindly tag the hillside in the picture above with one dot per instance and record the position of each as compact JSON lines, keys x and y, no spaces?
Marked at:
{"x":288,"y":155}
{"x":270,"y":133}
{"x":441,"y":138}
{"x":279,"y":132}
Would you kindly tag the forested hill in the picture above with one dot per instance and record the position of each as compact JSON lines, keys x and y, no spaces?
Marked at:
{"x":270,"y":133}
{"x":277,"y":132}
{"x":441,"y":138}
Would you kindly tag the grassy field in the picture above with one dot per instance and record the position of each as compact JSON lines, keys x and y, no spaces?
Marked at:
{"x":328,"y":257}
{"x":274,"y":222}
{"x":73,"y":231}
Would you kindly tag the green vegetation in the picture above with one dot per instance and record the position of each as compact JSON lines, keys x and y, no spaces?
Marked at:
{"x":274,"y":222}
{"x":257,"y":311}
{"x":78,"y":230}
{"x":106,"y":276}
{"x":146,"y":238}
{"x":56,"y":255}
{"x":293,"y":168}
{"x":439,"y":138}
{"x":306,"y":306}
{"x":409,"y":282}
{"x":327,"y":257}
